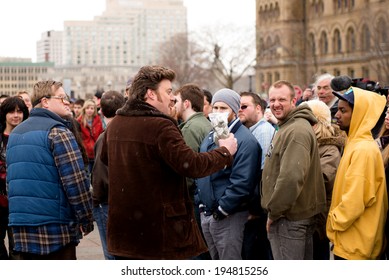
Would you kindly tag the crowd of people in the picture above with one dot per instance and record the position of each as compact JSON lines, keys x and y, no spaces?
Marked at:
{"x":187,"y":174}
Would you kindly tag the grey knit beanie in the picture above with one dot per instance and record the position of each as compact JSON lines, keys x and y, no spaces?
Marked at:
{"x":228,"y":96}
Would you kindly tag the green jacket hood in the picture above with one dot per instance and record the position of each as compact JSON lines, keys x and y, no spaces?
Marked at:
{"x":301,"y":111}
{"x":368,"y":107}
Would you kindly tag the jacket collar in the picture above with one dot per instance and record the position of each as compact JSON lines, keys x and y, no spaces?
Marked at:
{"x":135,"y":107}
{"x":40,"y":112}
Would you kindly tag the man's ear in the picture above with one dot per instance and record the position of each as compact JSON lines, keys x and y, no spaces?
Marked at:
{"x":45,"y":102}
{"x":187,"y":104}
{"x":150,"y":94}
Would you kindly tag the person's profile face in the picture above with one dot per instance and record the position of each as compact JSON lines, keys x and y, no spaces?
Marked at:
{"x":343,"y":115}
{"x":179,"y":106}
{"x":165,"y":99}
{"x":207,"y":108}
{"x":248,"y":111}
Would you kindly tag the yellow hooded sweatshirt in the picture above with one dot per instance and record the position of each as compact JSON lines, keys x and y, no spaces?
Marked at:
{"x":357,"y":215}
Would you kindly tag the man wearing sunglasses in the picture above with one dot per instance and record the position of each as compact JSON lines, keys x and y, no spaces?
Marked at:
{"x":50,"y":204}
{"x":251,"y":114}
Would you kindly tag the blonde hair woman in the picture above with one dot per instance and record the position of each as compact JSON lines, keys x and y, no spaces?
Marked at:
{"x":331,"y":141}
{"x":91,"y":127}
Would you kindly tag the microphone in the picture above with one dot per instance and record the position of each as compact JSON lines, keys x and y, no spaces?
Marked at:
{"x":340,"y":83}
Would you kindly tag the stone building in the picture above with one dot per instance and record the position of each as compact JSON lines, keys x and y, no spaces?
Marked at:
{"x":299,"y":39}
{"x":17,"y":74}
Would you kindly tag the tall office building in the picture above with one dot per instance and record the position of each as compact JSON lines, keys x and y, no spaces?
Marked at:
{"x":298,"y":39}
{"x":128,"y":33}
{"x":49,"y":47}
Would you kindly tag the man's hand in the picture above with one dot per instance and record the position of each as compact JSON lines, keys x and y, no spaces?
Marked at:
{"x":269,"y":222}
{"x":86,"y":229}
{"x":230,"y":143}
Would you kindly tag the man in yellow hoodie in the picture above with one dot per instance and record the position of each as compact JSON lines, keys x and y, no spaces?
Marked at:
{"x":357,"y":215}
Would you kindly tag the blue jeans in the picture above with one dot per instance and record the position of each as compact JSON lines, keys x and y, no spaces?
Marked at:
{"x":292,"y":240}
{"x":100,"y":213}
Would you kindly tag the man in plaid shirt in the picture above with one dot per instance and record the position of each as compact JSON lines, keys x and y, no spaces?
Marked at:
{"x":49,"y":199}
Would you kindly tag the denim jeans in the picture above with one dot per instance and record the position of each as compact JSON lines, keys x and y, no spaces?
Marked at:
{"x":100,"y":213}
{"x":292,"y":240}
{"x":224,"y":237}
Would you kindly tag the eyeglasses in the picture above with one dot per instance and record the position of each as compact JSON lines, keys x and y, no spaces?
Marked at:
{"x":64,"y":99}
{"x":243,"y":107}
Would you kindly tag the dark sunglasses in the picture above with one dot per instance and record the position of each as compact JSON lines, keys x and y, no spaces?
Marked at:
{"x":243,"y":107}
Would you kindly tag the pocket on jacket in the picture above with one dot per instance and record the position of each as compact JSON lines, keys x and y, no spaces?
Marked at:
{"x":177,"y":230}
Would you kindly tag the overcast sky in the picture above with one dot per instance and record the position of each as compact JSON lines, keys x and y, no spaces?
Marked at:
{"x":23,"y":21}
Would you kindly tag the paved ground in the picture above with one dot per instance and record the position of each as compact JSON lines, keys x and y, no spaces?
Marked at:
{"x":89,"y":247}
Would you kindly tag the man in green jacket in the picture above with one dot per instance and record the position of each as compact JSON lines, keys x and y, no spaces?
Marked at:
{"x":194,"y":127}
{"x":293,"y":191}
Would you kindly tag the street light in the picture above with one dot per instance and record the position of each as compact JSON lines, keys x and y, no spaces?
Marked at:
{"x":250,"y":74}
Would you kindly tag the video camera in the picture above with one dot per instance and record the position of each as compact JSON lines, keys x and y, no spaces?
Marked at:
{"x":370,"y":85}
{"x":340,"y":83}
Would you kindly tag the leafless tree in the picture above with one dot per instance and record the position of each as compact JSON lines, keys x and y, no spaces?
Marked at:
{"x":186,"y":58}
{"x":380,"y":51}
{"x":230,"y":52}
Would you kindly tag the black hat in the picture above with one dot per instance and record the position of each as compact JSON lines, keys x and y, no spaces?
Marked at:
{"x":348,"y":96}
{"x":99,"y":94}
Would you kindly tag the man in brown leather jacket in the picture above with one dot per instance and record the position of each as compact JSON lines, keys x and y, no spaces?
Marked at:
{"x":151,"y":215}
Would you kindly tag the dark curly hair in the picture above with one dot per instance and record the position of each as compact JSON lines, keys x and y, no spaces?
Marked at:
{"x":9,"y":105}
{"x":149,"y":77}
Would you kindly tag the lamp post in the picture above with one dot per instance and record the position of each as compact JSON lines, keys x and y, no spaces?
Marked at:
{"x":78,"y":90}
{"x":250,"y":74}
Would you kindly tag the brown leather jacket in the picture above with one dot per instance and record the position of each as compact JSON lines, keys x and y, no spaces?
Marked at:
{"x":150,"y":212}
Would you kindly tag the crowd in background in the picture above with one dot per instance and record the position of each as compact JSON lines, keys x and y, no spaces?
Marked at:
{"x":189,"y":174}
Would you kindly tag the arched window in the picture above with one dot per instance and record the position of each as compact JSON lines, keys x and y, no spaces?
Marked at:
{"x":351,"y":72}
{"x":277,"y":76}
{"x":261,"y":44}
{"x":365,"y":38}
{"x":277,"y":9}
{"x":260,"y":14}
{"x":323,"y":43}
{"x":268,"y":48}
{"x":365,"y":72}
{"x":311,"y":43}
{"x":276,"y":45}
{"x":337,"y":42}
{"x":382,"y":31}
{"x":321,"y":7}
{"x":351,"y":46}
